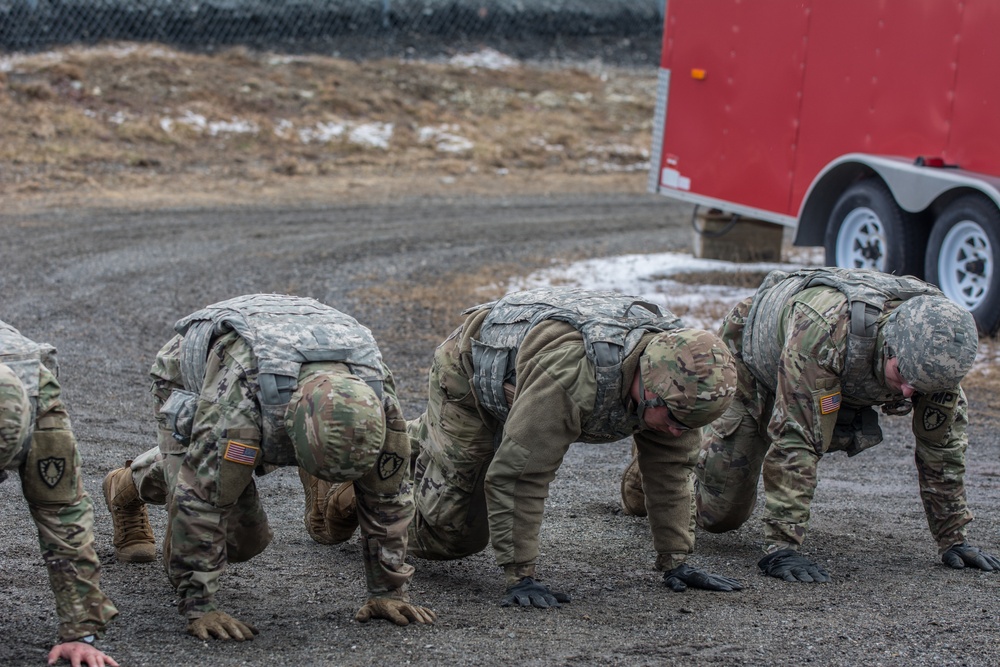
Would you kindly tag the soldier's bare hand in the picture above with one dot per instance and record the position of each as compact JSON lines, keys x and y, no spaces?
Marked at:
{"x":965,"y":555}
{"x":398,"y":611}
{"x":220,"y":625}
{"x":79,"y":654}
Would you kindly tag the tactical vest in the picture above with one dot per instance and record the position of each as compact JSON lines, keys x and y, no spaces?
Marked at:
{"x":868,"y":293}
{"x":284,"y":332}
{"x":612,"y":325}
{"x":25,"y":358}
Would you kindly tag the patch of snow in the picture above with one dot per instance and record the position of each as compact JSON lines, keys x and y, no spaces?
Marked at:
{"x":484,"y":59}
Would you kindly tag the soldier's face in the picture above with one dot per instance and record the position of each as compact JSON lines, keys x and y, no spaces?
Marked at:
{"x":895,"y":381}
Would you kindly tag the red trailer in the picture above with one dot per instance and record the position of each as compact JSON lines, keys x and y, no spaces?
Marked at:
{"x":870,"y":126}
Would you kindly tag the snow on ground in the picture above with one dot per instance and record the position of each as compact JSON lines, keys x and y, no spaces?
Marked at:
{"x":649,"y":277}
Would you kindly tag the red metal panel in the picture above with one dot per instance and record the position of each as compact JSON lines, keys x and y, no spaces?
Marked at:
{"x":733,"y":133}
{"x":879,"y":79}
{"x":974,"y":138}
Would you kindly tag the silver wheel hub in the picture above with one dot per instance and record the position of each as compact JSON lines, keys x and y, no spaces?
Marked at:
{"x":861,"y":241}
{"x":965,"y":264}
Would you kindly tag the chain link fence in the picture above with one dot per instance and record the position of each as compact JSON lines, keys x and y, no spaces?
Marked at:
{"x":348,"y":27}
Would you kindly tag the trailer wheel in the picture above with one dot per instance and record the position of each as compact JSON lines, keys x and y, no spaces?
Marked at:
{"x":868,"y":230}
{"x":961,"y":258}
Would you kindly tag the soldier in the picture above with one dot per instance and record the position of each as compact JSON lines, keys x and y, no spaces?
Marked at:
{"x":816,"y":350}
{"x":36,"y":439}
{"x":248,"y":385}
{"x":525,"y":377}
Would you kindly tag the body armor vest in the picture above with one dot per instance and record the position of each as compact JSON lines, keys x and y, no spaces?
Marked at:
{"x":612,"y":325}
{"x":284,"y":332}
{"x":868,"y":293}
{"x":25,"y":358}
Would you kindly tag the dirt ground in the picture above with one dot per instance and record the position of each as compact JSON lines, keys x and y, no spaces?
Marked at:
{"x":112,"y":231}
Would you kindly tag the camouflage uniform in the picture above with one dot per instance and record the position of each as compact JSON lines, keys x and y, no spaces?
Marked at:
{"x":214,"y":513}
{"x":811,"y":411}
{"x":477,"y":476}
{"x":38,"y":442}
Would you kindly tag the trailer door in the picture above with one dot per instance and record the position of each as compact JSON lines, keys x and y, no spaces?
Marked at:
{"x":732,"y":133}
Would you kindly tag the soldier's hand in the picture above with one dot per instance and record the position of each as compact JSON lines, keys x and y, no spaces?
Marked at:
{"x":790,"y":565}
{"x":530,"y":593}
{"x":78,"y":654}
{"x":682,"y":576}
{"x":398,"y":611}
{"x":220,"y":625}
{"x":963,"y":555}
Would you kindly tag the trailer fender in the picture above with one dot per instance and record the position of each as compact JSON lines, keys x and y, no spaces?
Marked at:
{"x":914,"y":187}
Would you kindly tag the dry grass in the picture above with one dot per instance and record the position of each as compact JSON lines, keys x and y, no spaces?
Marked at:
{"x":424,"y":312}
{"x":126,"y":114}
{"x":737,"y":278}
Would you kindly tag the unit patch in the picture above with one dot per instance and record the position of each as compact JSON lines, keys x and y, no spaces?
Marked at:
{"x":829,"y":403}
{"x":237,"y":452}
{"x":933,"y":418}
{"x":388,"y":464}
{"x":51,"y":470}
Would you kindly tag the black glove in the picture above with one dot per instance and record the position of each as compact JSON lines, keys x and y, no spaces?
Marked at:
{"x":790,"y":565}
{"x":962,"y":555}
{"x":530,"y":593}
{"x":682,"y":576}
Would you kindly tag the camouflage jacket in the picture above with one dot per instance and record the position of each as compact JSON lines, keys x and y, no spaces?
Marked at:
{"x":64,"y":515}
{"x":228,"y":408}
{"x":553,"y":400}
{"x":802,"y":418}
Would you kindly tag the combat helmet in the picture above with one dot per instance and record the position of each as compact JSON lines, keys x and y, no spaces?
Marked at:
{"x":15,"y":416}
{"x":691,"y":372}
{"x":336,"y":424}
{"x":934,"y":341}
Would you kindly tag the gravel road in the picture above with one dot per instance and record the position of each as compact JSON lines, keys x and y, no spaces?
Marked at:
{"x":105,"y":287}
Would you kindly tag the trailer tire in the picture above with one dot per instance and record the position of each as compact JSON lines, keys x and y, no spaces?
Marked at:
{"x":868,"y":230}
{"x":962,"y":258}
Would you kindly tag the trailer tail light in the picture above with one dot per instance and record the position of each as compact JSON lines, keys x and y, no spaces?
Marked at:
{"x":933,"y":162}
{"x":698,"y":74}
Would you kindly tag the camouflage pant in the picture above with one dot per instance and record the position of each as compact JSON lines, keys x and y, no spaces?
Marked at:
{"x":247,"y":529}
{"x":728,"y":470}
{"x":452,"y":449}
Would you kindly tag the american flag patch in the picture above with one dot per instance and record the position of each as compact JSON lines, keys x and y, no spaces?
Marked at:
{"x":829,"y":403}
{"x":237,"y":452}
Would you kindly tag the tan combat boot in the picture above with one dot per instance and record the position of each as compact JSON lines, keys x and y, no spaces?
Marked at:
{"x":133,"y":539}
{"x":633,"y":497}
{"x":331,"y":515}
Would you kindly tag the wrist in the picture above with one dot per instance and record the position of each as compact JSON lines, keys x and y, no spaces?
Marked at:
{"x":515,"y":572}
{"x":666,"y":562}
{"x":86,"y":639}
{"x":395,"y":594}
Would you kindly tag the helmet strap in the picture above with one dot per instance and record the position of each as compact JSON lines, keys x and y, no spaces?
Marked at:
{"x":643,"y":402}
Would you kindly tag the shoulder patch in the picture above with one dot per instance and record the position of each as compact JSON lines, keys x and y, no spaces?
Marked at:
{"x":933,"y":419}
{"x":829,"y":403}
{"x":237,"y":452}
{"x":388,"y":464}
{"x":51,"y":470}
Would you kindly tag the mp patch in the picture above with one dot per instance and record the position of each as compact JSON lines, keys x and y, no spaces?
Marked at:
{"x":237,"y":452}
{"x":829,"y":403}
{"x":51,"y":470}
{"x":388,"y":464}
{"x":933,"y":419}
